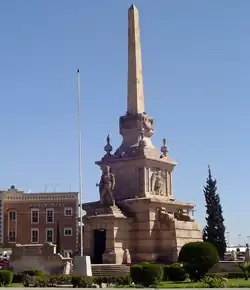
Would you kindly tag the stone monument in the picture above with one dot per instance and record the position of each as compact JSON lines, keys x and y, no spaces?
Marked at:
{"x":137,"y":217}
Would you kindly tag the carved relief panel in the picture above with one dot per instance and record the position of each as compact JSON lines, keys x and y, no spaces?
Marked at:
{"x":158,"y":182}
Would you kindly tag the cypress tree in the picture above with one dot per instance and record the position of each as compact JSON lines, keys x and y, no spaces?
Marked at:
{"x":58,"y":238}
{"x":214,"y":231}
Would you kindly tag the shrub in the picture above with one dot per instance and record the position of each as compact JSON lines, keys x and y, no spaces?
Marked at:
{"x":175,"y":272}
{"x":136,"y":274}
{"x":152,"y":274}
{"x":198,"y":258}
{"x":81,"y":281}
{"x":245,"y":268}
{"x":31,"y":272}
{"x":213,"y":282}
{"x":146,"y":274}
{"x":5,"y":277}
{"x":59,"y":280}
{"x":117,"y":280}
{"x":53,"y":281}
{"x":17,"y":278}
{"x":35,"y":281}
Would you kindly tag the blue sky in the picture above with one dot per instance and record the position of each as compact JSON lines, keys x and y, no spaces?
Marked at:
{"x":196,"y":64}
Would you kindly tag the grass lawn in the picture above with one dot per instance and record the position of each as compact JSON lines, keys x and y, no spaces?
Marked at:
{"x":232,"y":283}
{"x":17,"y":285}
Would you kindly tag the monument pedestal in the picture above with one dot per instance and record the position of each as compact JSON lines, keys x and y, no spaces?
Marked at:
{"x":82,"y":266}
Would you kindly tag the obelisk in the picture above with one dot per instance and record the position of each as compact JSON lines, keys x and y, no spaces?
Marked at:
{"x":135,"y":125}
{"x":135,"y":102}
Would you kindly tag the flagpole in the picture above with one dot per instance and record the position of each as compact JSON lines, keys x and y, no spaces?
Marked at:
{"x":80,"y":159}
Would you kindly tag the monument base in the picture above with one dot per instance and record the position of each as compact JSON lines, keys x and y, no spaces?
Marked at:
{"x":82,"y":266}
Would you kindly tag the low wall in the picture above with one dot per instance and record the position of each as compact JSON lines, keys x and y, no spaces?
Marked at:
{"x":226,"y":266}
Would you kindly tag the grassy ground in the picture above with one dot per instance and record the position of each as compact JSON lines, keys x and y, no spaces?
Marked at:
{"x":15,"y":285}
{"x":232,"y":283}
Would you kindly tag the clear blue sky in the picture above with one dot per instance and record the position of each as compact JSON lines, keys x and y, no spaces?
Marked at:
{"x":196,"y":61}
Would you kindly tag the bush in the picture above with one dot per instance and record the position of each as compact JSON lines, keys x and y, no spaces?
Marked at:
{"x":34,"y":281}
{"x":213,"y":282}
{"x":146,"y":274}
{"x":31,"y":272}
{"x":198,"y":258}
{"x":136,"y":274}
{"x":17,"y":278}
{"x":81,"y":281}
{"x":245,"y":268}
{"x":5,"y":277}
{"x":117,"y":280}
{"x":152,"y":274}
{"x":54,"y":280}
{"x":175,"y":272}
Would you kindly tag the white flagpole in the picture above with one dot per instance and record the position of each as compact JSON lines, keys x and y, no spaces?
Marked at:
{"x":80,"y":160}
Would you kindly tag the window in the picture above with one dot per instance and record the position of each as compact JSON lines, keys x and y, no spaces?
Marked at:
{"x":34,"y":236}
{"x":68,"y":211}
{"x":67,"y":231}
{"x":12,"y":236}
{"x":34,"y":216}
{"x":12,"y":215}
{"x":66,"y":252}
{"x":49,"y":235}
{"x":49,"y":215}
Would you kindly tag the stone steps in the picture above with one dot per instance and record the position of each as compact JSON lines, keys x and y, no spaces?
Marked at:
{"x":104,"y":270}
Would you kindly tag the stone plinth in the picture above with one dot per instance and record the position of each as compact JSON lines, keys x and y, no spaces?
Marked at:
{"x":82,"y":266}
{"x":226,"y":267}
{"x":39,"y":257}
{"x":149,"y":229}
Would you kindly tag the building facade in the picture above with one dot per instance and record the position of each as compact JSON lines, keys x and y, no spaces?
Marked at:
{"x":1,"y":218}
{"x":34,"y":218}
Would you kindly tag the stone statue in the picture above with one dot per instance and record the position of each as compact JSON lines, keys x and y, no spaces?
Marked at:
{"x":182,"y":215}
{"x":157,"y":182}
{"x":233,"y":255}
{"x":165,"y":216}
{"x":147,"y":123}
{"x":106,"y":186}
{"x":126,"y":257}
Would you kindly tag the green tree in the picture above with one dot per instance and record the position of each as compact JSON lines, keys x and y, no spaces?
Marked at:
{"x":214,"y":231}
{"x":58,"y":238}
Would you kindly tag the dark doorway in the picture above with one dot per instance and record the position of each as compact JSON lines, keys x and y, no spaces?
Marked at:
{"x":99,"y":237}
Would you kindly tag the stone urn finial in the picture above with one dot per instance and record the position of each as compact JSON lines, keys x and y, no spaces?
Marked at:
{"x":108,"y":148}
{"x":164,"y":148}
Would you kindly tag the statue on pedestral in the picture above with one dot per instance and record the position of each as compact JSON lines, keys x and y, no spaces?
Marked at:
{"x":233,"y":256}
{"x":106,"y":186}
